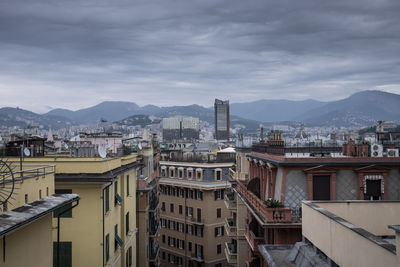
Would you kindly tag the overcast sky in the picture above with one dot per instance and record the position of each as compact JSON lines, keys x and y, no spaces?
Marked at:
{"x":74,"y":54}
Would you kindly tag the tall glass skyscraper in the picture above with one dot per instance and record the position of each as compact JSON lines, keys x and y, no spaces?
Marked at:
{"x":221,"y":109}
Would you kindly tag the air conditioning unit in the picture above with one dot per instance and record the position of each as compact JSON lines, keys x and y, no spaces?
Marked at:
{"x":376,"y":150}
{"x":391,"y":152}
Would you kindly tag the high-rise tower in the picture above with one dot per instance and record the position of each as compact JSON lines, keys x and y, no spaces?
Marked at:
{"x":221,"y":109}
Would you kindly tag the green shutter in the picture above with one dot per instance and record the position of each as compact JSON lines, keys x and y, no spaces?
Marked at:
{"x":118,"y":240}
{"x":127,"y":222}
{"x":127,"y":185}
{"x":117,"y":198}
{"x":65,"y":254}
{"x":107,"y":198}
{"x":107,"y":247}
{"x":58,"y":211}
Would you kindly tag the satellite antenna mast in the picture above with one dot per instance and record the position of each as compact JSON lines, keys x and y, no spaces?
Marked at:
{"x":6,"y":182}
{"x":102,"y":151}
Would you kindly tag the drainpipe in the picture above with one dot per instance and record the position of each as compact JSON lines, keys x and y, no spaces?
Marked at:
{"x":58,"y":231}
{"x":102,"y":197}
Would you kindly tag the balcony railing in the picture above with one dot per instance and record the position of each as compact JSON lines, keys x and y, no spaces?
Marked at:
{"x":253,"y":240}
{"x":197,"y":257}
{"x":230,"y":226}
{"x":230,"y":201}
{"x":231,"y":253}
{"x":197,"y":221}
{"x":269,"y":215}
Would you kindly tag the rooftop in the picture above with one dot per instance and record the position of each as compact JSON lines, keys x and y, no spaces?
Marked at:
{"x":18,"y":217}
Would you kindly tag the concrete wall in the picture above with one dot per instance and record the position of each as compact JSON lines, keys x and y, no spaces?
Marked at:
{"x":346,"y":185}
{"x":373,"y":216}
{"x":295,"y":188}
{"x":29,"y":246}
{"x":344,"y":246}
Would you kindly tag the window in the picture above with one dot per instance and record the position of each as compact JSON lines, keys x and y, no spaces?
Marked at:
{"x":219,"y":249}
{"x":171,"y":172}
{"x":127,"y":222}
{"x":172,"y":225}
{"x":40,"y":193}
{"x":199,"y":173}
{"x":189,"y":211}
{"x":180,"y":227}
{"x":189,"y":229}
{"x":117,"y":197}
{"x":219,"y":194}
{"x":219,"y":231}
{"x":218,"y":265}
{"x":163,"y":239}
{"x":189,"y":172}
{"x":163,"y":223}
{"x":199,"y":195}
{"x":129,"y":257}
{"x":180,"y":172}
{"x":190,"y":192}
{"x":65,"y":254}
{"x":180,"y":209}
{"x":181,"y":244}
{"x":171,"y":207}
{"x":107,"y":198}
{"x":163,"y":206}
{"x":190,"y":246}
{"x":181,"y":192}
{"x":163,"y":171}
{"x":47,"y":191}
{"x":127,"y":185}
{"x":57,"y":212}
{"x":163,"y":255}
{"x":26,"y":198}
{"x":218,"y":213}
{"x":199,"y":231}
{"x":218,"y":174}
{"x":117,"y":239}
{"x":107,"y":247}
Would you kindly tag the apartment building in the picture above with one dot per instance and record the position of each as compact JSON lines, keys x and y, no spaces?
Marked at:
{"x":147,"y":207}
{"x":26,"y":215}
{"x":193,"y":214}
{"x":281,"y":177}
{"x":102,"y":230}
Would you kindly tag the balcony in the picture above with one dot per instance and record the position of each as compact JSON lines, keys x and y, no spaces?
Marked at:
{"x":230,"y":227}
{"x":231,"y":253}
{"x":268,"y":215}
{"x":197,"y":221}
{"x":153,"y":252}
{"x":230,"y":201}
{"x":197,"y":257}
{"x":253,"y":240}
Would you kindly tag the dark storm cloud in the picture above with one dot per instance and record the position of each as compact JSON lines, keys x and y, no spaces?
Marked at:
{"x":77,"y":53}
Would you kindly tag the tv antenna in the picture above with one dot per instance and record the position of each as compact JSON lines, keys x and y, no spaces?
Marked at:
{"x":102,"y":152}
{"x":6,"y":182}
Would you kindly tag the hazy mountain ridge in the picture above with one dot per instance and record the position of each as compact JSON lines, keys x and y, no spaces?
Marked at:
{"x":360,"y":109}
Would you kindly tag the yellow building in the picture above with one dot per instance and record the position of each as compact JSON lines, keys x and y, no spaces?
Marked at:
{"x":28,"y":201}
{"x":101,"y":231}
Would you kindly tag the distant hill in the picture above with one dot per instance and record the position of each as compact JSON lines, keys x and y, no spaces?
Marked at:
{"x":360,"y":109}
{"x":23,"y":118}
{"x":136,"y":120}
{"x":274,"y":110}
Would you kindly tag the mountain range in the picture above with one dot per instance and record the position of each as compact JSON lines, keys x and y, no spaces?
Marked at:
{"x":360,"y":109}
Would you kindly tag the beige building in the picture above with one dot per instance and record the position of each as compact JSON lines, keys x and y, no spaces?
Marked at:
{"x":28,"y":202}
{"x":146,"y":208}
{"x":193,"y":214}
{"x":102,"y":230}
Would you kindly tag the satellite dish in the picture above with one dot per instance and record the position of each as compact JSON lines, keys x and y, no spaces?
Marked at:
{"x":140,"y":146}
{"x":7,"y":181}
{"x":102,"y":151}
{"x":27,"y":153}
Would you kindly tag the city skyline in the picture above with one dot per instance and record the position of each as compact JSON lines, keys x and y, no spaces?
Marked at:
{"x":72,"y":55}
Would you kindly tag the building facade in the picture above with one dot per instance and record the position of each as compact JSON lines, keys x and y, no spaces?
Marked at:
{"x":26,"y":215}
{"x":222,"y":119}
{"x":193,"y":214}
{"x":181,"y":128}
